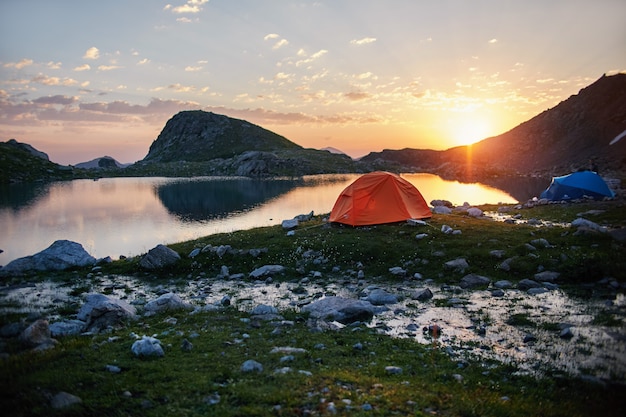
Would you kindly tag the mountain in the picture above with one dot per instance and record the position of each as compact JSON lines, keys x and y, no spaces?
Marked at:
{"x":333,"y":150}
{"x":573,"y":135}
{"x":204,"y":143}
{"x":202,"y":136}
{"x":20,"y":162}
{"x":104,"y":162}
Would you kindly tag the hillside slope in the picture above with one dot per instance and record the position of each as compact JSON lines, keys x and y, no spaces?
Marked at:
{"x":573,"y":135}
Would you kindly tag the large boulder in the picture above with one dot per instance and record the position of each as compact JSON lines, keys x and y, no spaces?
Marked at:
{"x":167,"y":302}
{"x":343,"y":310}
{"x":100,"y":312}
{"x":38,"y":335}
{"x":159,"y":257}
{"x":62,"y":254}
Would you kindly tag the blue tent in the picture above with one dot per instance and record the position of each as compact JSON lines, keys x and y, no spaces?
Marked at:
{"x":578,"y":185}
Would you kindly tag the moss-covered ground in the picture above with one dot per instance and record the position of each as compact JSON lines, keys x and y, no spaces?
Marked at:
{"x":345,"y":372}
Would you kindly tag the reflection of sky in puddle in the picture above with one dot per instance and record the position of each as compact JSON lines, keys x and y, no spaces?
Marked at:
{"x":593,"y":350}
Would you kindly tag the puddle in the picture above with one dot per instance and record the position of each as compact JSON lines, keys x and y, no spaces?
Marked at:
{"x":594,"y":350}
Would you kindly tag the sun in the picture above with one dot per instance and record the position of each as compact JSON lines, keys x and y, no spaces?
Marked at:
{"x":470,"y":130}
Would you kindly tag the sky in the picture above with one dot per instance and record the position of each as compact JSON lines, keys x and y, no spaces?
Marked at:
{"x":85,"y":79}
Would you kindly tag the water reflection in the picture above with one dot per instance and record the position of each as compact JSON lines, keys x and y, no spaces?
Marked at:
{"x":129,"y":216}
{"x":204,"y":199}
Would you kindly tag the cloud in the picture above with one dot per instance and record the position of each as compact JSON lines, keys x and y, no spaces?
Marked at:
{"x":494,"y":40}
{"x":51,"y":81}
{"x":92,"y":53}
{"x":143,"y":61}
{"x":84,"y":67}
{"x":19,"y":65}
{"x":54,"y":65}
{"x":271,"y":36}
{"x":280,"y":44}
{"x":363,"y":41}
{"x":191,"y":6}
{"x":193,"y":69}
{"x":357,"y":96}
{"x":108,"y":67}
{"x":58,"y":99}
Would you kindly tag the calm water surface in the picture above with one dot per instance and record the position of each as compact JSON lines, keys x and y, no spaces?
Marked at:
{"x":129,"y":216}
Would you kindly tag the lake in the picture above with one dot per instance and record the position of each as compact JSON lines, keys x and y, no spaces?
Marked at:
{"x":129,"y":216}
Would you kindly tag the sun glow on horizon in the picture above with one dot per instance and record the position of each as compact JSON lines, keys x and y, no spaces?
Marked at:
{"x":470,"y":130}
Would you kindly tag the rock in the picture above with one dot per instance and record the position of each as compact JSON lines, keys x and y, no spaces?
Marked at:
{"x":536,"y":291}
{"x":263,"y":309}
{"x":497,"y":253}
{"x":619,"y":234}
{"x":62,"y":254}
{"x":566,"y":333}
{"x":398,"y":271}
{"x":194,"y":253}
{"x":304,"y":217}
{"x":503,"y":284}
{"x":446,"y":229}
{"x":393,"y":370}
{"x":459,"y":265}
{"x":547,"y":276}
{"x":167,"y":302}
{"x":474,"y":212}
{"x":38,"y":335}
{"x":147,"y":346}
{"x":186,"y":345}
{"x":343,"y":310}
{"x":266,"y":270}
{"x":527,"y":284}
{"x":473,"y":280}
{"x":421,"y":236}
{"x":441,"y":210}
{"x":251,"y":366}
{"x":289,"y":224}
{"x":67,"y":328}
{"x":100,"y":312}
{"x":381,"y":297}
{"x":498,"y":292}
{"x":441,"y":203}
{"x":529,"y":338}
{"x":587,"y":224}
{"x":422,"y":295}
{"x":540,"y":243}
{"x":63,"y":400}
{"x":159,"y":257}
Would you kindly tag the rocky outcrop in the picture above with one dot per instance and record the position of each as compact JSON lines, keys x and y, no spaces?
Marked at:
{"x":62,"y":254}
{"x":203,"y":136}
{"x":572,"y":135}
{"x":158,"y":257}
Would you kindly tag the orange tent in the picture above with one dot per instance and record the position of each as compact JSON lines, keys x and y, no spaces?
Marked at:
{"x":377,"y":198}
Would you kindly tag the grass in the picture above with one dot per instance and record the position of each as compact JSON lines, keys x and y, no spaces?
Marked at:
{"x":354,"y":380}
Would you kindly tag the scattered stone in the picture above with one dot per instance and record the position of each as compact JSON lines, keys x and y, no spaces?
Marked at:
{"x":186,"y":345}
{"x":474,"y":212}
{"x":416,"y":222}
{"x":446,"y":229}
{"x":194,"y":253}
{"x":422,"y":295}
{"x":547,"y":276}
{"x":167,"y":302}
{"x":266,"y":270}
{"x":536,"y":291}
{"x":63,"y":400}
{"x":421,"y":236}
{"x":289,"y":224}
{"x":498,"y":253}
{"x":147,"y":346}
{"x":588,"y":225}
{"x":441,"y":203}
{"x":100,"y":312}
{"x":113,"y":369}
{"x":159,"y":257}
{"x":540,"y":243}
{"x":38,"y":335}
{"x":566,"y":333}
{"x":381,"y":297}
{"x":459,"y":265}
{"x":527,"y":284}
{"x":263,"y":309}
{"x":67,"y":328}
{"x":393,"y":370}
{"x":62,"y":254}
{"x":473,"y":281}
{"x":251,"y":366}
{"x":397,"y":271}
{"x":212,"y":399}
{"x":503,"y":284}
{"x":441,"y":210}
{"x":343,"y":310}
{"x":497,"y":292}
{"x":528,"y":338}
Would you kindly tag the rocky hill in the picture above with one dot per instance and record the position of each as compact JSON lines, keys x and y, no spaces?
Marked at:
{"x":20,"y":162}
{"x":104,"y":162}
{"x":202,"y":136}
{"x":205,"y":143}
{"x":573,"y":135}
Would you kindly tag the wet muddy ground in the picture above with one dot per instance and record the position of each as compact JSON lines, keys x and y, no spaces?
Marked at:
{"x":518,"y":328}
